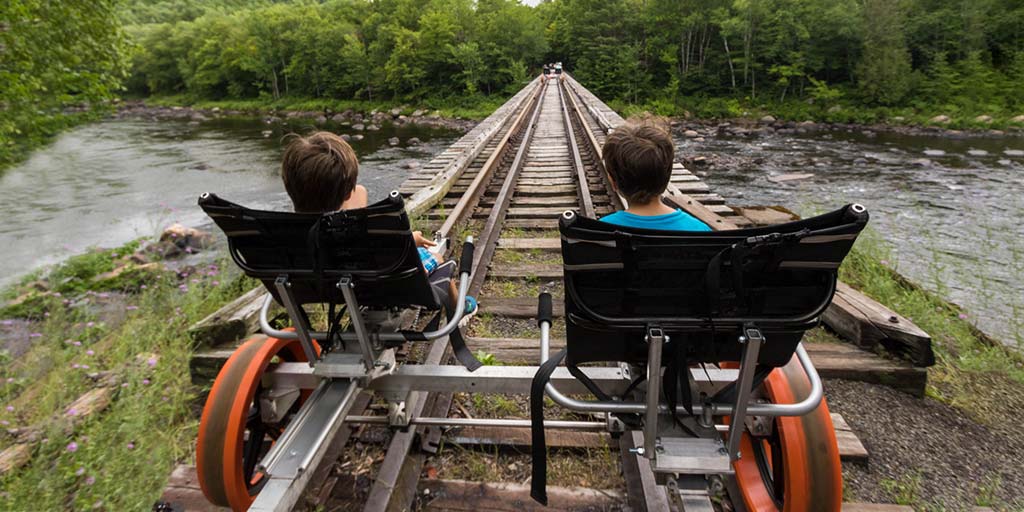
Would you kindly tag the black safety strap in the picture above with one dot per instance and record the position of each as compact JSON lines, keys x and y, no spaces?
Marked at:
{"x":539,"y":482}
{"x":587,"y":383}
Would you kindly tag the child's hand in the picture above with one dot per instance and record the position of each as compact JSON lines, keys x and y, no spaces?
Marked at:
{"x":417,"y":236}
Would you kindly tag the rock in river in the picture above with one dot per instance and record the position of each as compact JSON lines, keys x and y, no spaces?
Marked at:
{"x":359,"y":127}
{"x":415,"y":141}
{"x":934,"y":152}
{"x":691,"y":134}
{"x":393,"y":141}
{"x":768,"y":119}
{"x":782,"y":178}
{"x":940,"y":119}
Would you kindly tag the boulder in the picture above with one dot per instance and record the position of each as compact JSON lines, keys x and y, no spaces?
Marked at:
{"x":395,"y":112}
{"x":273,"y":120}
{"x":691,"y":134}
{"x":357,"y":118}
{"x":358,"y":136}
{"x":699,"y":139}
{"x":983,"y":119}
{"x":372,"y":128}
{"x":768,"y":119}
{"x":834,"y":109}
{"x":320,"y":120}
{"x":699,"y":160}
{"x":215,"y":110}
{"x":940,"y":119}
{"x":899,"y":119}
{"x":393,"y":141}
{"x":346,"y":137}
{"x":183,"y":237}
{"x":412,"y":165}
{"x":337,"y":118}
{"x":782,"y":178}
{"x":417,"y":113}
{"x":1018,"y":119}
{"x":414,"y":141}
{"x":921,"y":162}
{"x":359,"y":127}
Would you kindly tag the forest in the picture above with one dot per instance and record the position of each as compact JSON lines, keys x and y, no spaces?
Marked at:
{"x":835,"y":60}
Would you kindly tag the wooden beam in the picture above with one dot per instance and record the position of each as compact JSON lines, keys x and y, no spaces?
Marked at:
{"x":868,"y":324}
{"x":524,"y":307}
{"x":460,"y":495}
{"x":234,"y":321}
{"x":850,"y":447}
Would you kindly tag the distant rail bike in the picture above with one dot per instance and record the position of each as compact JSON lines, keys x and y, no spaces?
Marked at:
{"x":696,"y":335}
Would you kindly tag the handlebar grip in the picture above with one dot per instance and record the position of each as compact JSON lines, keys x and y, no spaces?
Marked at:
{"x":466,"y":263}
{"x":544,"y":308}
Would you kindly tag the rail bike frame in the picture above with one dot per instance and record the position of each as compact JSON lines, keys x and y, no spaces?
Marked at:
{"x":691,"y":469}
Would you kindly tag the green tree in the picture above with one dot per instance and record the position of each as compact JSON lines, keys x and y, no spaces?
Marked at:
{"x":884,"y":72}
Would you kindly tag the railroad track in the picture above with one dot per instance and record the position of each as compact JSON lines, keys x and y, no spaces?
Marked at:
{"x":506,"y":183}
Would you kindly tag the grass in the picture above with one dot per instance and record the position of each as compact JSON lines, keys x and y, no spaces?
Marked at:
{"x":464,"y":107}
{"x":117,"y":459}
{"x":973,"y":372}
{"x":905,"y":490}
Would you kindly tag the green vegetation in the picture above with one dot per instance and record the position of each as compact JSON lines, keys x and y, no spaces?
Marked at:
{"x":134,"y":344}
{"x":60,"y":62}
{"x":845,"y":61}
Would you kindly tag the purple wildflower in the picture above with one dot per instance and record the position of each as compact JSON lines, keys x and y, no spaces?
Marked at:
{"x":34,"y":334}
{"x":8,"y":322}
{"x":90,"y":324}
{"x":90,"y":480}
{"x":80,"y":472}
{"x":90,"y":352}
{"x":962,"y":316}
{"x":131,"y":445}
{"x":72,"y":412}
{"x":72,"y":447}
{"x":10,"y":408}
{"x":84,"y":367}
{"x":4,"y":422}
{"x":885,"y":262}
{"x":74,"y":365}
{"x":124,"y":384}
{"x":131,"y":308}
{"x":216,"y":283}
{"x":76,"y":343}
{"x":145,"y":382}
{"x":143,"y":287}
{"x":151,"y":362}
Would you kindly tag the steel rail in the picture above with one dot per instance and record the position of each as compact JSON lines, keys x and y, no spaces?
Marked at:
{"x":583,"y":186}
{"x":617,"y":199}
{"x":489,"y":234}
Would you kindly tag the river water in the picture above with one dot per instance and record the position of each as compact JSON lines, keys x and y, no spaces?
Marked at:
{"x":951,"y":209}
{"x":110,"y":182}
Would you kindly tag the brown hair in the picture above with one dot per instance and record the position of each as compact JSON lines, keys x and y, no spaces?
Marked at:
{"x":638,"y":156}
{"x":319,"y":172}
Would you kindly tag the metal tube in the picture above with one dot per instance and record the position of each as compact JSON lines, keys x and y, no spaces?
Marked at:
{"x":460,"y":309}
{"x":356,"y":319}
{"x":483,"y":422}
{"x":752,"y":339}
{"x":655,"y":341}
{"x":593,"y":406}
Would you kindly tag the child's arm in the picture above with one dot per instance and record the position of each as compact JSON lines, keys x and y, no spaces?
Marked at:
{"x":359,"y":198}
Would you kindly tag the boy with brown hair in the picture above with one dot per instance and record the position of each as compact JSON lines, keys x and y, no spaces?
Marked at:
{"x":320,"y":173}
{"x":638,"y":157}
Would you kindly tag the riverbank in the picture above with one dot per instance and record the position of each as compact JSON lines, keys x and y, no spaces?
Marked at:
{"x":724,"y":109}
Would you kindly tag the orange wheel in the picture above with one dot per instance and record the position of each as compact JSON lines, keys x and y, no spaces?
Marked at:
{"x":232,"y":435}
{"x":795,"y":468}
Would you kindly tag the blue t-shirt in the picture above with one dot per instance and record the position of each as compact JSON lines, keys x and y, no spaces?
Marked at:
{"x":675,"y":221}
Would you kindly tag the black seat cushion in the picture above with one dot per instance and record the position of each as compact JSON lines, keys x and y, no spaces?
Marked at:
{"x":700,"y":287}
{"x":373,"y":246}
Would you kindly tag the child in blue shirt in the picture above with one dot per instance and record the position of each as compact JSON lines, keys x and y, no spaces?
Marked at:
{"x":638,"y":157}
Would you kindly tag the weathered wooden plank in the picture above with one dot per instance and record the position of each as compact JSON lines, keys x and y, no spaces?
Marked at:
{"x":543,"y":244}
{"x":235,"y":320}
{"x":875,"y":507}
{"x":183,"y":492}
{"x":841,"y":361}
{"x":868,"y":324}
{"x":850,"y":447}
{"x":517,"y":307}
{"x":460,"y":495}
{"x":642,"y":489}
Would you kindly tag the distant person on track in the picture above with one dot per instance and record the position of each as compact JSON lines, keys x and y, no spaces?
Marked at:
{"x":638,"y":157}
{"x":319,"y":174}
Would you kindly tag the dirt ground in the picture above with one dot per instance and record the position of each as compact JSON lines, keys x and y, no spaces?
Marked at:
{"x":931,"y":455}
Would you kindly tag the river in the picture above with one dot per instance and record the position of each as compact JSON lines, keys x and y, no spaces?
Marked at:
{"x":109,"y":182}
{"x":950,"y":208}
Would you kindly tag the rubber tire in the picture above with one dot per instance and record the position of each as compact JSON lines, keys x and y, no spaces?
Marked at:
{"x":813,"y":478}
{"x":219,"y":463}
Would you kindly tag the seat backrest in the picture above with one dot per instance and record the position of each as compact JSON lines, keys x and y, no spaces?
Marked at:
{"x":700,"y":287}
{"x":373,"y":246}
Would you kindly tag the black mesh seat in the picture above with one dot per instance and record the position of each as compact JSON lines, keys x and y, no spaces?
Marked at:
{"x":371,"y":245}
{"x":699,"y":287}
